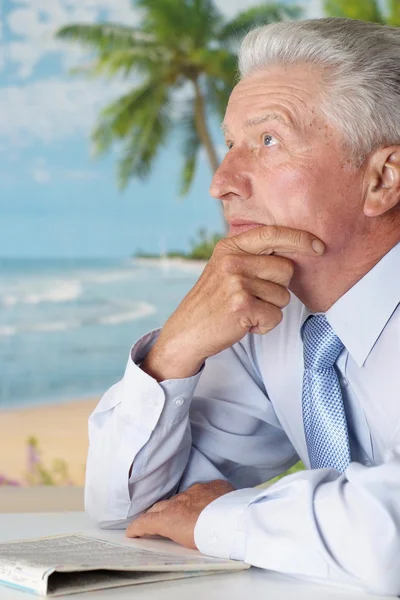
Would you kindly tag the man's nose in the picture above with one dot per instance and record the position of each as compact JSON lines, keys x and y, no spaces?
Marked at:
{"x":231,"y":178}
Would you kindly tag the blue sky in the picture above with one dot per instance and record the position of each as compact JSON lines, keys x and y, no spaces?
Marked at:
{"x":55,"y":200}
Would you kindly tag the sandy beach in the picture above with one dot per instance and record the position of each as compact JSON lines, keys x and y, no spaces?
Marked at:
{"x":61,"y":431}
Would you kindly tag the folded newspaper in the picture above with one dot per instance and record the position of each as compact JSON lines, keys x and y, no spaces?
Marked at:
{"x":69,"y":564}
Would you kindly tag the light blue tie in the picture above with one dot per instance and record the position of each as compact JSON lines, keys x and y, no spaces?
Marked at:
{"x":324,"y":418}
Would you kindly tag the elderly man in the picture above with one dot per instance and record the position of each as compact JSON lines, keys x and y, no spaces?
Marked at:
{"x":246,"y":377}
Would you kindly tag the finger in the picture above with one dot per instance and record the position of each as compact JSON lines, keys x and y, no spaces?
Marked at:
{"x":267,"y":291}
{"x":271,"y":238}
{"x":147,"y":524}
{"x":158,"y":506}
{"x":261,"y":317}
{"x":269,"y":268}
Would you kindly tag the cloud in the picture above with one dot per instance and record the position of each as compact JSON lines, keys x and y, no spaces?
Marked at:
{"x":59,"y":107}
{"x":41,"y":175}
{"x":33,"y":24}
{"x":52,"y":109}
{"x":40,"y":172}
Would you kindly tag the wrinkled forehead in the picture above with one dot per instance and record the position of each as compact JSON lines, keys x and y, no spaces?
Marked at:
{"x":294,"y":91}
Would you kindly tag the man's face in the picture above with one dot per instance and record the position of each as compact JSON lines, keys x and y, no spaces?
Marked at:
{"x":285,"y":164}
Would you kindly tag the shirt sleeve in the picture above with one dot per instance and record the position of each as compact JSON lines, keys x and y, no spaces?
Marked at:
{"x":150,"y":440}
{"x":315,"y":525}
{"x":138,"y":431}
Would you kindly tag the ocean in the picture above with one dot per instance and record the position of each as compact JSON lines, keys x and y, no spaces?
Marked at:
{"x":66,"y":326}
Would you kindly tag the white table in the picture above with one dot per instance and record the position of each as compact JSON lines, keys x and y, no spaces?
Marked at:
{"x":254,"y":584}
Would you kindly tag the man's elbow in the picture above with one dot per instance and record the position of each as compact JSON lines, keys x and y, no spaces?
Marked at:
{"x":103,"y":519}
{"x":104,"y":516}
{"x":100,"y":513}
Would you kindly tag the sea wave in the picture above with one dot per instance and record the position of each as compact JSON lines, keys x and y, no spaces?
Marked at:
{"x":110,"y":277}
{"x":49,"y":326}
{"x":167,"y":265}
{"x":57,"y":291}
{"x":140,"y":311}
{"x":6,"y":331}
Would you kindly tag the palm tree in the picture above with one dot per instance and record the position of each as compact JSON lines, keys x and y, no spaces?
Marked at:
{"x":365,"y":10}
{"x":179,"y":45}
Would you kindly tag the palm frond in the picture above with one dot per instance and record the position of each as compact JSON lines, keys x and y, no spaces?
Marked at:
{"x":103,"y":36}
{"x":179,"y":42}
{"x":184,"y":24}
{"x":257,"y":16}
{"x":394,"y":13}
{"x":191,"y":150}
{"x":119,"y":49}
{"x":142,"y":119}
{"x":217,"y":62}
{"x":141,"y":149}
{"x":367,"y":10}
{"x":132,"y":117}
{"x":123,"y":62}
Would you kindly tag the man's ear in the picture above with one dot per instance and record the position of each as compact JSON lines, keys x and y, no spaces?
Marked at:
{"x":382,"y":191}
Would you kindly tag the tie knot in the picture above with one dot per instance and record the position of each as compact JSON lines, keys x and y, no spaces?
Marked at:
{"x":321,"y":344}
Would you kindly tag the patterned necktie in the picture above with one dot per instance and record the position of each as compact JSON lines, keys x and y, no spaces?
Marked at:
{"x":323,"y":410}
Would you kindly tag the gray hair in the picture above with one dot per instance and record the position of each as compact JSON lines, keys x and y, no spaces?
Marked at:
{"x":360,"y":63}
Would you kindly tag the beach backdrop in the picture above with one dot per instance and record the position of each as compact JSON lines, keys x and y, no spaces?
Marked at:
{"x":66,"y":329}
{"x":74,"y":294}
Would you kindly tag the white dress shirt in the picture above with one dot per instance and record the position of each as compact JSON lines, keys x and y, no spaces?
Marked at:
{"x":240,"y":419}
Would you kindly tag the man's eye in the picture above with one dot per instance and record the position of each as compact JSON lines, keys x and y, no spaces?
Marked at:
{"x":229,"y":145}
{"x":269,"y":140}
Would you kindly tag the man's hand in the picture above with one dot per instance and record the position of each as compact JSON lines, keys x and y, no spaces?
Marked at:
{"x":242,"y":289}
{"x":176,"y":518}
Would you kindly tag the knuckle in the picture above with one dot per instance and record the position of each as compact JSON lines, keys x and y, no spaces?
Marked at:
{"x":220,"y":246}
{"x":287,"y":268}
{"x":271,"y":231}
{"x":297,"y":238}
{"x":270,"y":319}
{"x":276,"y":315}
{"x":239,"y":301}
{"x":269,"y":234}
{"x":284,"y":298}
{"x":229,"y":263}
{"x":287,"y":298}
{"x":235,"y":283}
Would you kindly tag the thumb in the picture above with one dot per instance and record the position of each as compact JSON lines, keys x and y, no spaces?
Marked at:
{"x":270,"y":239}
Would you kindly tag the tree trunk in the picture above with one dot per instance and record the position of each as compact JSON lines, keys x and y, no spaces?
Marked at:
{"x":202,"y":128}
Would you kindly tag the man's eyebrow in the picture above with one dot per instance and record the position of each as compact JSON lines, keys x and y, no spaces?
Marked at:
{"x":272,"y":116}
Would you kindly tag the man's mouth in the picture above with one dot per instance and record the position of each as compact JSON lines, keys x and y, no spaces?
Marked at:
{"x":237,"y":226}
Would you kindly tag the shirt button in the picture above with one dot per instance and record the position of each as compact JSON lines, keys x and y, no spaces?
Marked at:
{"x":179,"y":401}
{"x":345,"y":382}
{"x":151,"y":402}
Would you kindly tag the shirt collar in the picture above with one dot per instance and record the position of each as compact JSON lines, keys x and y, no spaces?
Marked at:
{"x":359,"y":316}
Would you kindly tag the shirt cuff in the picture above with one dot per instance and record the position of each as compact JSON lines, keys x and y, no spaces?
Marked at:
{"x":219,"y":529}
{"x":145,"y":400}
